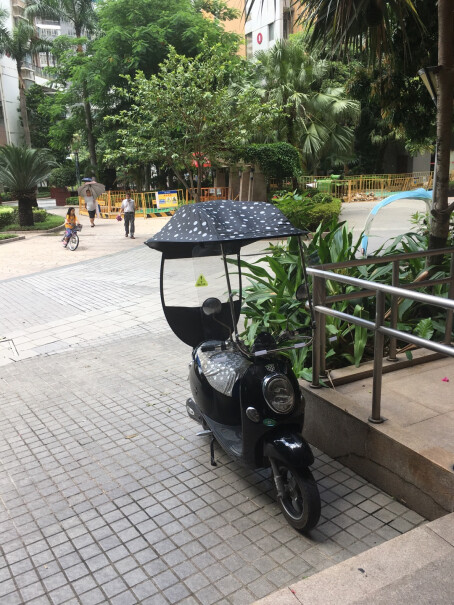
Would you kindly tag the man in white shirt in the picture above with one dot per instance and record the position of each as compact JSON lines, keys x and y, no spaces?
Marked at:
{"x":128,"y":209}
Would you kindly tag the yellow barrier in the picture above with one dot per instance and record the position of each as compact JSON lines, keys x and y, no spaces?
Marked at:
{"x":148,"y":204}
{"x":356,"y":188}
{"x":208,"y":194}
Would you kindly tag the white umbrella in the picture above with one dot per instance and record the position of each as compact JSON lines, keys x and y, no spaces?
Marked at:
{"x":95,"y":188}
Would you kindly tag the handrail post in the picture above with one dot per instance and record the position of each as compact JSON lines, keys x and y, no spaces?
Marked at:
{"x":378,"y":359}
{"x":394,"y":311}
{"x":449,"y":313}
{"x":317,"y":296}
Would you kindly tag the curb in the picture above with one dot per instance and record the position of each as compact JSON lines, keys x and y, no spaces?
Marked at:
{"x":11,"y":239}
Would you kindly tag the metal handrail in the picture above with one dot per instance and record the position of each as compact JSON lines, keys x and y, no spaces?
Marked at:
{"x":369,"y":288}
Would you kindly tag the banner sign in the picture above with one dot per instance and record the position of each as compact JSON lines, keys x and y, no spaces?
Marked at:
{"x":166,"y":199}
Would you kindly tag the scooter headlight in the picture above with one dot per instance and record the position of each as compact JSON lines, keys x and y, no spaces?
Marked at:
{"x":278,"y":393}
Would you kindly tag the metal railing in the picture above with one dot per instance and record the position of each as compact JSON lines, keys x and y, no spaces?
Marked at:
{"x":367,"y":288}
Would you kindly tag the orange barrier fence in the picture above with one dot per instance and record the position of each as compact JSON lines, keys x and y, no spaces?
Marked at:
{"x":148,"y":203}
{"x":208,"y":194}
{"x":356,"y":188}
{"x":152,"y":203}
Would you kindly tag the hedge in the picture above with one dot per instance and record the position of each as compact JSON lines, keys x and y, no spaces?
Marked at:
{"x":307,"y":213}
{"x":7,"y":216}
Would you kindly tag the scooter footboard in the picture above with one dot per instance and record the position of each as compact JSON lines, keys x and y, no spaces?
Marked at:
{"x":289,"y":447}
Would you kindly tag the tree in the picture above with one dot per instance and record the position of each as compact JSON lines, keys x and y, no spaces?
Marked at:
{"x":19,"y":44}
{"x":21,"y":171}
{"x":318,"y":118}
{"x":186,"y":115}
{"x":82,"y":15}
{"x":137,"y":35}
{"x":372,"y":24}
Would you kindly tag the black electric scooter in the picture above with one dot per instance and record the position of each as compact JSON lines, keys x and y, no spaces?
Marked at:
{"x":246,"y":399}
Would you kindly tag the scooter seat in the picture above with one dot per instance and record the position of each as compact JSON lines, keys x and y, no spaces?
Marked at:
{"x":222,"y":368}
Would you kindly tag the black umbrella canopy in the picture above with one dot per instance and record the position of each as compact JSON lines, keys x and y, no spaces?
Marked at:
{"x":210,"y":224}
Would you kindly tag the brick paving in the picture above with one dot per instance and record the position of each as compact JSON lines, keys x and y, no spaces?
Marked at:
{"x":107,"y":494}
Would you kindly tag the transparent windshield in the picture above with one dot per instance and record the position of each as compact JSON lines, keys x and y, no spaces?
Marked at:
{"x":186,"y":284}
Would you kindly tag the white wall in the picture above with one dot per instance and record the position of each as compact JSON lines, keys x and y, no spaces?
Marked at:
{"x":262,"y":15}
{"x":10,"y":129}
{"x":421,"y":163}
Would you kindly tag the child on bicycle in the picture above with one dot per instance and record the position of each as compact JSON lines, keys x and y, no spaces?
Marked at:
{"x":70,"y":223}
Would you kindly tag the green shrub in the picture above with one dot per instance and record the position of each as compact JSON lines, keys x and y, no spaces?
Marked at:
{"x":276,"y":160}
{"x":73,"y":201}
{"x":322,"y":198}
{"x":63,"y":176}
{"x":306,"y":213}
{"x":6,"y":216}
{"x":50,"y":221}
{"x":6,"y":196}
{"x":39,"y":215}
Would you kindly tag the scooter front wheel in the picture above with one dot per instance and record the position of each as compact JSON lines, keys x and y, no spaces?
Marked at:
{"x":299,"y":499}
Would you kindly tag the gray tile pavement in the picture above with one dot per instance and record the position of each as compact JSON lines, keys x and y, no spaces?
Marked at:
{"x":107,"y":494}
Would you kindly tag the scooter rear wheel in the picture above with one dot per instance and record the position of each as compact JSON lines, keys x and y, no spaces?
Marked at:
{"x":300,"y":503}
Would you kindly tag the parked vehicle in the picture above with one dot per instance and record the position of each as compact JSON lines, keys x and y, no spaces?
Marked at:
{"x":247,"y":399}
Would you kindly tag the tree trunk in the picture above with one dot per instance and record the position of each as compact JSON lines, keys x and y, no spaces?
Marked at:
{"x":23,"y":105}
{"x":199,"y":179}
{"x":88,"y":117}
{"x":89,"y":126}
{"x":439,"y":226}
{"x":25,"y":206}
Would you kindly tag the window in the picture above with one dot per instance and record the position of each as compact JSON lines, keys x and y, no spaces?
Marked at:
{"x":287,"y":24}
{"x":249,"y":52}
{"x":246,"y":8}
{"x":270,"y":32}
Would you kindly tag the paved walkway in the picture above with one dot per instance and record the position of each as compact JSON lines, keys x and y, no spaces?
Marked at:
{"x":106,"y":493}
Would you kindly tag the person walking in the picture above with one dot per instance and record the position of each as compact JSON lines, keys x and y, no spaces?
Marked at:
{"x":90,"y":205}
{"x":90,"y":191}
{"x":128,"y":208}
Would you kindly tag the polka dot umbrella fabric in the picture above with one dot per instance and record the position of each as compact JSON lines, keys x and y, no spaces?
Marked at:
{"x":237,"y":223}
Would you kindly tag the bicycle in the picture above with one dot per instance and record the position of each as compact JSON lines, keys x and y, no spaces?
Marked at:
{"x":73,"y":240}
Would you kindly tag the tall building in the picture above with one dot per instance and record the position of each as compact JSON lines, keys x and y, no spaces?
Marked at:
{"x":236,"y":26}
{"x":10,"y":124}
{"x":268,"y":21}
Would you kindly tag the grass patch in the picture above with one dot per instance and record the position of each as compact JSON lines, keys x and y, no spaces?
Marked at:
{"x":52,"y":220}
{"x":6,"y":235}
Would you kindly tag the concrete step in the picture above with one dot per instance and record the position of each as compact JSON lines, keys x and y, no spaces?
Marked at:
{"x":412,"y":569}
{"x":411,"y":454}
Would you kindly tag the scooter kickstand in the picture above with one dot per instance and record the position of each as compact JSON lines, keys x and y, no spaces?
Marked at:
{"x":202,"y":433}
{"x":213,"y":461}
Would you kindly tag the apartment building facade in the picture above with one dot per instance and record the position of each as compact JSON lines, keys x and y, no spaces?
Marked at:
{"x":268,"y":21}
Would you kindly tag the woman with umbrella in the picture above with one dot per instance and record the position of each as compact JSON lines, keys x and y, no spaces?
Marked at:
{"x":90,"y":190}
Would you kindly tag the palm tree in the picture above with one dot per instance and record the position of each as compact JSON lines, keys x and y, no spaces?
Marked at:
{"x":82,"y":15}
{"x":370,"y":25}
{"x":318,"y":119}
{"x":19,"y":44}
{"x":21,"y":171}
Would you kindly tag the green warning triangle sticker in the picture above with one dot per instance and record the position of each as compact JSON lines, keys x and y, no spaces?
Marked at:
{"x":201,"y":281}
